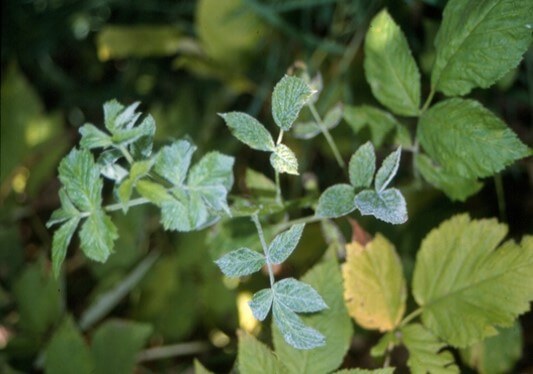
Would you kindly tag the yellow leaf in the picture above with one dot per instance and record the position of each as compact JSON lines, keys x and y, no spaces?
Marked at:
{"x":374,"y":286}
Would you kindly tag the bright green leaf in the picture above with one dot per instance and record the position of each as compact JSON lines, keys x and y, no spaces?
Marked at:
{"x":288,"y":98}
{"x":92,"y":137}
{"x":284,"y":160}
{"x":388,"y":206}
{"x":478,"y":42}
{"x":60,"y":243}
{"x":261,"y":303}
{"x":467,"y":283}
{"x":298,"y":296}
{"x":173,"y":161}
{"x":284,"y":244}
{"x":467,"y":139}
{"x":240,"y":262}
{"x":255,"y":357}
{"x":97,"y":235}
{"x":249,"y":131}
{"x":390,"y":68}
{"x":154,"y":192}
{"x":362,"y":166}
{"x":336,"y":201}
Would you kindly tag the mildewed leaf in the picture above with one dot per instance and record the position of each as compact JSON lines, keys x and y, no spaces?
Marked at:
{"x":92,"y":137}
{"x":173,"y":161}
{"x":214,"y":169}
{"x":288,"y":98}
{"x":249,"y":131}
{"x":336,"y":201}
{"x":366,"y":371}
{"x":388,"y":170}
{"x":60,"y":243}
{"x":478,"y":42}
{"x":425,"y":352}
{"x":390,"y":68}
{"x":467,"y":286}
{"x":67,"y":210}
{"x":294,"y":331}
{"x":298,"y":296}
{"x":284,"y":244}
{"x":362,"y":166}
{"x":467,"y":139}
{"x":284,"y":160}
{"x":254,"y":356}
{"x":388,"y":206}
{"x":97,"y":235}
{"x":261,"y":303}
{"x":240,"y":262}
{"x":374,"y":285}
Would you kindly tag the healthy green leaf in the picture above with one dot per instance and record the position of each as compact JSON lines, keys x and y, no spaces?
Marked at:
{"x":240,"y":262}
{"x":249,"y":131}
{"x":478,"y":42}
{"x":97,"y":235}
{"x":362,"y":166}
{"x":388,"y":206}
{"x":467,"y":139}
{"x":284,"y":160}
{"x":256,"y":181}
{"x":425,"y":351}
{"x":288,"y":98}
{"x":284,"y":244}
{"x":390,"y":68}
{"x":333,"y":322}
{"x":254,"y":356}
{"x":388,"y":170}
{"x":173,"y":161}
{"x":92,"y":137}
{"x":60,"y":243}
{"x":454,"y":186}
{"x":298,"y":296}
{"x":138,"y":170}
{"x":336,"y":201}
{"x":261,"y":303}
{"x":467,"y":286}
{"x":154,"y":192}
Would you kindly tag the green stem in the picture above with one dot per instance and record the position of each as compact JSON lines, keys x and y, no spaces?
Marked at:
{"x":410,"y":317}
{"x":255,"y":219}
{"x":327,"y":135}
{"x":428,"y":100}
{"x":126,"y":154}
{"x":279,"y":198}
{"x":280,"y":138}
{"x":119,"y":206}
{"x":500,"y":194}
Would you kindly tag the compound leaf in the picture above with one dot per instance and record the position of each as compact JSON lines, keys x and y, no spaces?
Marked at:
{"x":284,"y":244}
{"x":362,"y":166}
{"x":467,"y":286}
{"x":284,"y":160}
{"x":467,"y":139}
{"x":240,"y":262}
{"x":173,"y":161}
{"x":288,"y":98}
{"x":374,"y":285}
{"x":388,"y":170}
{"x":388,"y":206}
{"x":390,"y":68}
{"x":97,"y":235}
{"x":298,"y":296}
{"x":336,"y":201}
{"x":479,"y":42}
{"x":60,"y":243}
{"x":249,"y":131}
{"x":261,"y":303}
{"x":255,"y":357}
{"x":425,"y":351}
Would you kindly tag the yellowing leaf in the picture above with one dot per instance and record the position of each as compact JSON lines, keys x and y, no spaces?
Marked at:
{"x":374,"y":286}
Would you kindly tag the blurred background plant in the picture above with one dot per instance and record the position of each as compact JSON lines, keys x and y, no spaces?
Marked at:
{"x":157,"y":301}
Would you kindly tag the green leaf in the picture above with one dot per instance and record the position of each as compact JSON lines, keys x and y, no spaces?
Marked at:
{"x":255,"y":357}
{"x":366,"y":371}
{"x":478,"y":42}
{"x":362,"y":166}
{"x":138,"y":170}
{"x":379,"y":122}
{"x":284,"y":160}
{"x":388,"y":206}
{"x":80,"y":177}
{"x":467,"y":139}
{"x":60,"y":243}
{"x":173,"y":161}
{"x":67,"y":352}
{"x":185,"y":212}
{"x":284,"y":244}
{"x":298,"y":296}
{"x":258,"y":182}
{"x":333,"y":322}
{"x":115,"y":345}
{"x":214,"y":169}
{"x":388,"y":170}
{"x":240,"y":262}
{"x":336,"y":201}
{"x":199,"y":368}
{"x":425,"y":351}
{"x":288,"y":98}
{"x":97,"y":235}
{"x":92,"y":137}
{"x":112,"y":109}
{"x":154,"y":192}
{"x":261,"y":303}
{"x":390,"y":68}
{"x":333,"y":116}
{"x":454,"y":186}
{"x":249,"y":131}
{"x":305,"y":130}
{"x":374,"y":285}
{"x":67,"y":210}
{"x":146,"y":129}
{"x":467,"y":284}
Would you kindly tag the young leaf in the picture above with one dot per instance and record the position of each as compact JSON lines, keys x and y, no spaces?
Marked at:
{"x":138,"y":170}
{"x":461,"y":278}
{"x":425,"y":351}
{"x":185,"y":212}
{"x":67,"y":210}
{"x":362,"y":166}
{"x":333,"y":322}
{"x":92,"y":137}
{"x":390,"y":68}
{"x":454,"y":186}
{"x":467,"y":139}
{"x":298,"y":296}
{"x":173,"y":161}
{"x":130,"y":135}
{"x":478,"y":42}
{"x":288,"y":98}
{"x":154,"y":192}
{"x":284,"y":244}
{"x":388,"y":170}
{"x":254,"y":356}
{"x":214,"y":169}
{"x":374,"y":285}
{"x":112,"y":109}
{"x":284,"y":160}
{"x":60,"y":243}
{"x":240,"y":262}
{"x":249,"y":131}
{"x":336,"y":201}
{"x":388,"y":206}
{"x":261,"y":303}
{"x":97,"y":235}
{"x":294,"y":331}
